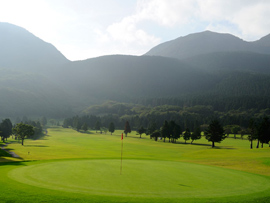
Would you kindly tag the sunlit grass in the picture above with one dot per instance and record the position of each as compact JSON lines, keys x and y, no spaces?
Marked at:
{"x":76,"y":149}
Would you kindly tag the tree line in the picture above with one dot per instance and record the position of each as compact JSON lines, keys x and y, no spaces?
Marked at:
{"x":258,"y":129}
{"x":187,"y":114}
{"x":21,"y":130}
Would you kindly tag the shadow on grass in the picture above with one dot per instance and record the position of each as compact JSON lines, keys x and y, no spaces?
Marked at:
{"x":224,"y":147}
{"x":137,"y":137}
{"x":184,"y":185}
{"x":35,"y":146}
{"x":89,"y":133}
{"x":199,"y":144}
{"x":3,"y":152}
{"x":5,"y":162}
{"x":40,"y":137}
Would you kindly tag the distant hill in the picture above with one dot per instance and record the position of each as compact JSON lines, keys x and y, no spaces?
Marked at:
{"x":230,"y":61}
{"x":21,"y":50}
{"x":264,"y":41}
{"x":32,"y":94}
{"x":208,"y":42}
{"x":121,"y":77}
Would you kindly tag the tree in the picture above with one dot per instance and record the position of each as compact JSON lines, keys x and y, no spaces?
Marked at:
{"x":196,"y":135}
{"x":111,"y":128}
{"x":5,"y":129}
{"x":176,"y":133}
{"x":78,"y":126}
{"x":151,"y":128}
{"x":235,"y":129}
{"x":165,"y":131}
{"x":84,"y":127}
{"x":242,"y":133}
{"x":252,"y":132}
{"x":156,"y":134}
{"x":23,"y":130}
{"x":141,"y":130}
{"x":186,"y":135}
{"x":214,"y":132}
{"x":127,"y":128}
{"x":171,"y":127}
{"x":227,"y":130}
{"x":263,"y":130}
{"x":97,"y":126}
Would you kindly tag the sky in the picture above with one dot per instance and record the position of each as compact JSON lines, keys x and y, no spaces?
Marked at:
{"x":82,"y":29}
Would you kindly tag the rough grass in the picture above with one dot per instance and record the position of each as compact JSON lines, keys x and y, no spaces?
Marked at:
{"x":67,"y":166}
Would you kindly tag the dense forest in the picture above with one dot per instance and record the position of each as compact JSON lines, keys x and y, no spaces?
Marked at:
{"x":154,"y":110}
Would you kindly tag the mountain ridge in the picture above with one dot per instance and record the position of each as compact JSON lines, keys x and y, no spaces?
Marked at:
{"x":20,"y":49}
{"x":207,"y":42}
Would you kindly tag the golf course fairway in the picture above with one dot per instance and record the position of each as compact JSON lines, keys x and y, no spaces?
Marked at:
{"x":66,"y":166}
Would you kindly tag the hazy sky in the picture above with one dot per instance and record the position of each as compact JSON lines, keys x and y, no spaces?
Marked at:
{"x":83,"y":29}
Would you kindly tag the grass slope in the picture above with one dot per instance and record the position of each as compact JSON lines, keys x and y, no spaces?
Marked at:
{"x":67,"y":166}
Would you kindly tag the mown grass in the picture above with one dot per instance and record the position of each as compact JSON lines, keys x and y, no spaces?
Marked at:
{"x":175,"y":163}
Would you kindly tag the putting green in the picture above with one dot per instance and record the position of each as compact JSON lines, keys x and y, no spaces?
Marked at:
{"x":140,"y":178}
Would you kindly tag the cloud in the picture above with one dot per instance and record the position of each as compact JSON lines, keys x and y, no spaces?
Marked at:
{"x":247,"y":18}
{"x":127,"y":31}
{"x":167,"y":13}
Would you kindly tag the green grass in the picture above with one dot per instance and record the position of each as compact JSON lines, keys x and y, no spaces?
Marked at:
{"x":67,"y":166}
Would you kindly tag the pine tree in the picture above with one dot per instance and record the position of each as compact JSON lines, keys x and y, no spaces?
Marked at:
{"x":141,"y":130}
{"x":111,"y":128}
{"x":214,"y":132}
{"x":127,"y":128}
{"x":84,"y":127}
{"x":186,"y":135}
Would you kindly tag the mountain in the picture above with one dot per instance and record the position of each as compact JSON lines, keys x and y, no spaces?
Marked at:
{"x":31,"y":94}
{"x":121,"y":77}
{"x":231,"y":61}
{"x":264,"y":41}
{"x":208,"y":42}
{"x":25,"y":86}
{"x":21,"y":50}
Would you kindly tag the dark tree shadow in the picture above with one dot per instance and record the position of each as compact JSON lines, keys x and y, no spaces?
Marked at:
{"x":199,"y":144}
{"x":5,"y":162}
{"x":224,"y":147}
{"x":35,"y":146}
{"x":184,"y":185}
{"x":89,"y":133}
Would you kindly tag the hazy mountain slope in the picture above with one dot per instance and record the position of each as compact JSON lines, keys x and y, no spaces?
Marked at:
{"x":204,"y":43}
{"x":245,"y":61}
{"x":21,"y":50}
{"x":239,"y":83}
{"x":31,"y":94}
{"x":120,"y":77}
{"x":264,"y":41}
